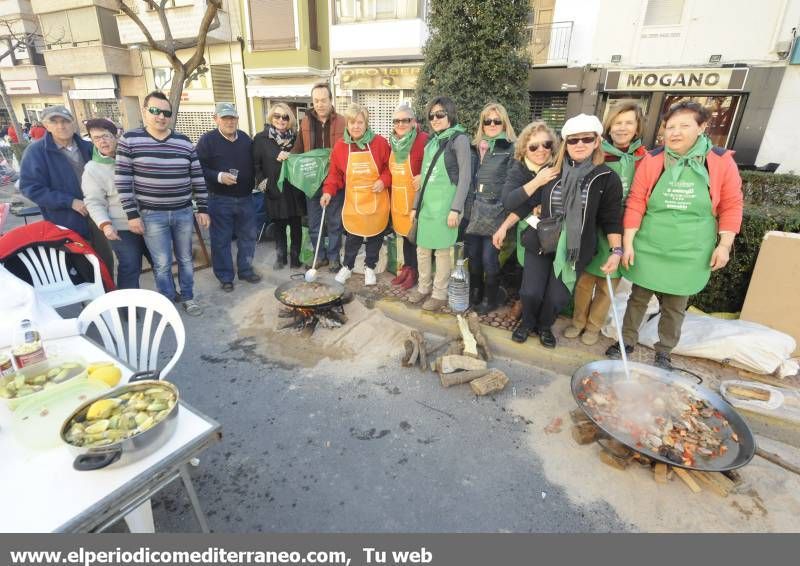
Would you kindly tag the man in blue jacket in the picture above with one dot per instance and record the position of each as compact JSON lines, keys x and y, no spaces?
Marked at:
{"x":51,"y":171}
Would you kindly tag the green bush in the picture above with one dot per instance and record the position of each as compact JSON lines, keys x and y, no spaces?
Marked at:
{"x":770,"y":189}
{"x":727,"y":288}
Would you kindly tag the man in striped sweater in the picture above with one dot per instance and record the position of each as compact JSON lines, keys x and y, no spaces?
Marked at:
{"x":157,"y":174}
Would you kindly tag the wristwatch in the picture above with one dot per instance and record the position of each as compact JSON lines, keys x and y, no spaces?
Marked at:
{"x":616,"y":251}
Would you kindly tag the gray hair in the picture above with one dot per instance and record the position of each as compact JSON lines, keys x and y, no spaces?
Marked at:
{"x":406,"y":109}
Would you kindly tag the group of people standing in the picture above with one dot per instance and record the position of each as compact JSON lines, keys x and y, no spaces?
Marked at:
{"x":582,"y":209}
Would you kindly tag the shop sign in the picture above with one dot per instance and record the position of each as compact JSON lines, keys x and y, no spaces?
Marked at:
{"x":701,"y":79}
{"x":377,"y":78}
{"x":92,"y":94}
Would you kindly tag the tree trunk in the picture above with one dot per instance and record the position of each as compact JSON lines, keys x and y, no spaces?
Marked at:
{"x":175,"y":90}
{"x":11,"y":114}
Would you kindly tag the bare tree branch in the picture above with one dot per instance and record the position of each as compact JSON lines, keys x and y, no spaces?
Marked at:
{"x":210,"y":15}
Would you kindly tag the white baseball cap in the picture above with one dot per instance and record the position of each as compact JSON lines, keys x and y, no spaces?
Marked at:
{"x":580,"y":124}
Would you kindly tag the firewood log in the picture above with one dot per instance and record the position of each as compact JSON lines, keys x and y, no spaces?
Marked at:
{"x":470,"y":344}
{"x":449,"y":364}
{"x":474,"y":324}
{"x":459,"y":377}
{"x":493,"y":381}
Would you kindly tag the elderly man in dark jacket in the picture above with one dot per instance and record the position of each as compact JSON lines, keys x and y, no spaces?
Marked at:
{"x":51,"y":171}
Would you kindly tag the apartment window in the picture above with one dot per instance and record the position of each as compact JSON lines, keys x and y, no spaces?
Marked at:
{"x":222,"y":83}
{"x":71,"y":28}
{"x":348,"y":11}
{"x":313,"y":30}
{"x":272,"y":25}
{"x":551,"y":108}
{"x":663,"y":12}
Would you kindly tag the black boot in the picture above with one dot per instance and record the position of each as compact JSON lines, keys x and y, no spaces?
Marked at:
{"x":475,"y":288}
{"x":294,"y":254}
{"x":280,"y":260}
{"x":491,"y":297}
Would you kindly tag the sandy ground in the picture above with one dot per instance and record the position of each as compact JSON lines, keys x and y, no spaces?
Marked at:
{"x":767,"y":500}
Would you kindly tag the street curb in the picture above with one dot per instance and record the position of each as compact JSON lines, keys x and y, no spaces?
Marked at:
{"x":562,"y":359}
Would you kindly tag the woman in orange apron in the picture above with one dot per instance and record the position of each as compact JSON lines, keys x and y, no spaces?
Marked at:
{"x":360,"y":167}
{"x":405,"y":163}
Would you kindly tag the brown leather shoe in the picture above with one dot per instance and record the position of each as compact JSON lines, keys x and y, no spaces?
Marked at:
{"x":515,"y":312}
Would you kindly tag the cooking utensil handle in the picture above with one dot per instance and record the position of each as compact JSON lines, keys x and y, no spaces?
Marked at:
{"x":618,"y":325}
{"x":319,"y":237}
{"x":89,"y":462}
{"x":146,"y":374}
{"x":693,"y":374}
{"x":297,"y":276}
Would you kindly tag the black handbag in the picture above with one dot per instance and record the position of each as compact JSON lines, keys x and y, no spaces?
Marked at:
{"x":544,"y":238}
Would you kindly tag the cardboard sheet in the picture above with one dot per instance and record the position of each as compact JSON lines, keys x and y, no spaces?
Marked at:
{"x":773,"y":297}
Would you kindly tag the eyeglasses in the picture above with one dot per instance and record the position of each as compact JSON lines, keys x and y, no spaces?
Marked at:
{"x":534,"y":146}
{"x":103,"y":137}
{"x":492,"y":121}
{"x":587,"y":140}
{"x":156,"y":111}
{"x":439,"y":114}
{"x":397,"y":121}
{"x":284,"y":117}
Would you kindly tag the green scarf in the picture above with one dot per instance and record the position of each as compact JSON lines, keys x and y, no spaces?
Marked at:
{"x":436,"y":139}
{"x":695,"y":158}
{"x":627,"y":160}
{"x":100,"y":158}
{"x":562,"y":267}
{"x":401,"y":147}
{"x":500,"y":136}
{"x":361,"y":142}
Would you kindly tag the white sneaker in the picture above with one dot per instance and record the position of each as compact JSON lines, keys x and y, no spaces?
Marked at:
{"x":343,"y":275}
{"x":369,"y":277}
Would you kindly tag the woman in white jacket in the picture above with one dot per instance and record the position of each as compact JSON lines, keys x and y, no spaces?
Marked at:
{"x":104,"y":206}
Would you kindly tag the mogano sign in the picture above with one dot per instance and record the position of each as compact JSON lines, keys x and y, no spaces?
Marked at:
{"x":371,"y":78}
{"x":702,"y":79}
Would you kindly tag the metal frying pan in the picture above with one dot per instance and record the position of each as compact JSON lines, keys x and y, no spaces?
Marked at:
{"x":329,"y":291}
{"x":738,"y":453}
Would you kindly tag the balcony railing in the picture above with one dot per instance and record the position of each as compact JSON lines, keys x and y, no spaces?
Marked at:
{"x":184,"y":21}
{"x":549,"y":43}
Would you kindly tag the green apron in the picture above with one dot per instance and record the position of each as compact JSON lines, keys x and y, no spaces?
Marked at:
{"x":306,"y":171}
{"x":603,"y":247}
{"x":432,"y":230}
{"x":677,"y":237}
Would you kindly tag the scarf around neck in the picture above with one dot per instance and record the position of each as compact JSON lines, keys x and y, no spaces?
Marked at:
{"x":402,"y":146}
{"x":532,"y":166}
{"x":572,"y":176}
{"x":491,"y":141}
{"x":100,"y":158}
{"x":361,"y":142}
{"x":627,"y":159}
{"x":284,"y":139}
{"x":695,"y":159}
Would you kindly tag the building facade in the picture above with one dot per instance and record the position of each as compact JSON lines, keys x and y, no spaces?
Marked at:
{"x":376,"y":47}
{"x":589,"y":55}
{"x":285,"y":53}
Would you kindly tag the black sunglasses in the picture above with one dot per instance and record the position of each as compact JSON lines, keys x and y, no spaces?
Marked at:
{"x":439,"y":114}
{"x":587,"y":140}
{"x":401,"y":121}
{"x":490,"y":121}
{"x":284,"y":117}
{"x":534,"y":146}
{"x":156,"y":111}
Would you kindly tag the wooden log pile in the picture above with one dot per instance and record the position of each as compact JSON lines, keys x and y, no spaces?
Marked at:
{"x":458,"y":359}
{"x":620,"y":457}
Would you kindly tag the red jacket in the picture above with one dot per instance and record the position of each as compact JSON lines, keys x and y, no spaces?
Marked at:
{"x":37,"y":132}
{"x":418,"y":151}
{"x":338,"y":170}
{"x":725,"y":188}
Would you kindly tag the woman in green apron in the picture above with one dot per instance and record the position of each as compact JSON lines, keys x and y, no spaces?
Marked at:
{"x":623,"y":149}
{"x":493,"y":145}
{"x":682,"y":213}
{"x":585,"y":196}
{"x":446,"y":176}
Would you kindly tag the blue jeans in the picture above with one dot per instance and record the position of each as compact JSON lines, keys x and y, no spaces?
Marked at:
{"x":483,"y":256}
{"x":129,"y":249}
{"x":333,"y":223}
{"x":163,"y":231}
{"x":260,"y":208}
{"x":229,"y":216}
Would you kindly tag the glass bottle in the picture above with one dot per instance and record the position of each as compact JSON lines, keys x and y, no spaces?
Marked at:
{"x":458,"y":285}
{"x":27,"y":348}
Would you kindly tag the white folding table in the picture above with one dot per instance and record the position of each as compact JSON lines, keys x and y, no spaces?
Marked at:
{"x":43,"y":493}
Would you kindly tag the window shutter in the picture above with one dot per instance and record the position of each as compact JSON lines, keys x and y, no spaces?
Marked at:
{"x":551,"y":108}
{"x":272,"y":25}
{"x":222,"y":83}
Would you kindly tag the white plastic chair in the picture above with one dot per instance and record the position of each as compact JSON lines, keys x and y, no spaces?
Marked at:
{"x":138,"y":348}
{"x":50,"y":277}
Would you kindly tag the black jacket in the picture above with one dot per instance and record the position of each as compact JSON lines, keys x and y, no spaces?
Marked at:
{"x":279,"y":205}
{"x":603,"y":204}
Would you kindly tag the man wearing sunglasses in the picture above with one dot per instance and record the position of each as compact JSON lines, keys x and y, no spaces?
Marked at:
{"x":157,"y":176}
{"x":321,"y":128}
{"x":226,"y":155}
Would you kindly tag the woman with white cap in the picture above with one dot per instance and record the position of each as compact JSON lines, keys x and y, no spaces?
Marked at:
{"x":585,"y":195}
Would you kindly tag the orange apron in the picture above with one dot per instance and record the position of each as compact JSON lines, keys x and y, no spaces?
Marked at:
{"x":402,"y":194}
{"x":364,"y":213}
